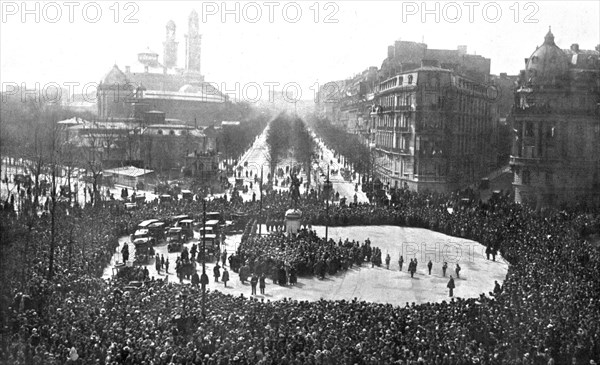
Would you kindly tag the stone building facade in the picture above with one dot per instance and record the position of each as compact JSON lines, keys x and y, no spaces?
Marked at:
{"x":556,"y":120}
{"x":147,"y":84}
{"x":427,"y":115}
{"x":431,"y":129}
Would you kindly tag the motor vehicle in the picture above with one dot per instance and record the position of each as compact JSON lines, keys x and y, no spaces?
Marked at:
{"x":174,"y":221}
{"x":214,"y":224}
{"x":215,"y":216}
{"x":146,"y":223}
{"x":143,"y":250}
{"x":211,"y":244}
{"x":187,"y":228}
{"x":238,"y":223}
{"x":208,"y":230}
{"x":187,"y":195}
{"x":165,"y":198}
{"x":139,"y":199}
{"x":174,"y":239}
{"x":142,"y":236}
{"x":157,"y":231}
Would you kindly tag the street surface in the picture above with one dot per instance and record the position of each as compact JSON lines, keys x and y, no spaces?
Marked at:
{"x":376,"y":284}
{"x":257,"y":159}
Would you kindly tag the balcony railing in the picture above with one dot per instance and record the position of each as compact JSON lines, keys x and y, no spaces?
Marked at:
{"x":546,"y":109}
{"x":403,"y":108}
{"x":429,"y":178}
{"x":518,"y":160}
{"x":401,"y":151}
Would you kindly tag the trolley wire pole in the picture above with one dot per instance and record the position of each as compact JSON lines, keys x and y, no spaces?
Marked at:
{"x":204,"y":256}
{"x":260,"y":204}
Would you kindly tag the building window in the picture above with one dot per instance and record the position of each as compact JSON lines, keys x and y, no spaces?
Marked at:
{"x":526,"y":177}
{"x":160,"y":131}
{"x":529,"y":130}
{"x":410,"y":79}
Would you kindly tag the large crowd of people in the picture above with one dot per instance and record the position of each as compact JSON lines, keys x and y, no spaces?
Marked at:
{"x":546,"y":311}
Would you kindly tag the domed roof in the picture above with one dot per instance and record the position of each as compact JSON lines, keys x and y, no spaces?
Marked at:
{"x":547,"y":64}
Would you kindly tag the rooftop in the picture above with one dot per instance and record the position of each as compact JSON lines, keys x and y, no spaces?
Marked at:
{"x":128,"y":171}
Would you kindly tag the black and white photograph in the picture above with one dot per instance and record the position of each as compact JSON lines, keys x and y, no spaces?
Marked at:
{"x":299,"y":182}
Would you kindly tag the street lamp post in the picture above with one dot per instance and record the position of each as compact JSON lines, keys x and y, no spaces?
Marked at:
{"x":260,"y":203}
{"x":204,"y":256}
{"x":326,"y":192}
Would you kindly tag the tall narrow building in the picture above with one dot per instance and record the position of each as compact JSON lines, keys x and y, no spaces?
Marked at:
{"x":556,"y":151}
{"x":193,"y":42}
{"x":170,"y":46}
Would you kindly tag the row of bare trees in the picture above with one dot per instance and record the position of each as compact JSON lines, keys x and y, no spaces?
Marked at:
{"x":289,"y":133}
{"x":37,"y":147}
{"x":343,"y":143}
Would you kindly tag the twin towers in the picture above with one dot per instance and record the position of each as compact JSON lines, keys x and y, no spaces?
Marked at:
{"x":193,"y":42}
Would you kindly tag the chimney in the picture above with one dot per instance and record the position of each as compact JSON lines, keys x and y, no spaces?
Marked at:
{"x":127,"y":69}
{"x":391,"y":52}
{"x":462,"y":50}
{"x":575,"y":47}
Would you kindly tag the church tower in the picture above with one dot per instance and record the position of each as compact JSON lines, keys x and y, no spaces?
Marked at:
{"x":193,"y":45}
{"x":170,"y":46}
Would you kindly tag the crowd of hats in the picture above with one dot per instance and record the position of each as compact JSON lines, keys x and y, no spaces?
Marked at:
{"x":547,"y":311}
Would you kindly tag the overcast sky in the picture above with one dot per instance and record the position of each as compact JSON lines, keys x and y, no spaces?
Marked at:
{"x":347,"y":37}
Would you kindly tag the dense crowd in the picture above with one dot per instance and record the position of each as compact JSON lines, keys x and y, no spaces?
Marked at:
{"x":545,"y":313}
{"x":305,"y":254}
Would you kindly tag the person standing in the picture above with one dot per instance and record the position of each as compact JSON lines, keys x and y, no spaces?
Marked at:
{"x":263,"y":284}
{"x":224,"y":256}
{"x":429,"y":266}
{"x":167,"y":266}
{"x":162,"y":261}
{"x":125,"y":252}
{"x":451,"y":286}
{"x":400,"y":262}
{"x":204,"y":280}
{"x":387,"y":261}
{"x":195,"y":279}
{"x":497,"y":288}
{"x":217,"y":272}
{"x":157,"y":263}
{"x":444,"y":267}
{"x":253,"y":282}
{"x":225,"y":277}
{"x":457,"y":270}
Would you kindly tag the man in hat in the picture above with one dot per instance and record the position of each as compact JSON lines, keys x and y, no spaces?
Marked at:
{"x":451,"y":286}
{"x":204,"y":280}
